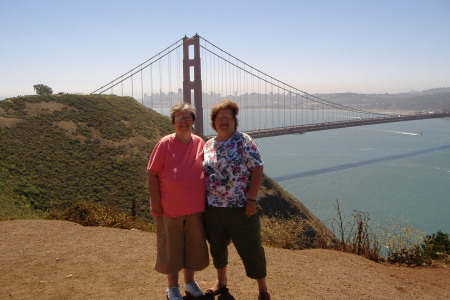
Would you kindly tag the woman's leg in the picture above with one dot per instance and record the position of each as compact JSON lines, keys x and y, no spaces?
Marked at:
{"x":172,"y":279}
{"x":188,"y":275}
{"x":221,"y":278}
{"x":262,"y":285}
{"x":217,"y":236}
{"x":196,"y":255}
{"x":221,"y":282}
{"x":246,"y":238}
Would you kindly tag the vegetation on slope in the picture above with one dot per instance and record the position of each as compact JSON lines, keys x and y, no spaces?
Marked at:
{"x":56,"y":150}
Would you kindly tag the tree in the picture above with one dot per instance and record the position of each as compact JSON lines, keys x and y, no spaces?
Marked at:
{"x":42,"y":89}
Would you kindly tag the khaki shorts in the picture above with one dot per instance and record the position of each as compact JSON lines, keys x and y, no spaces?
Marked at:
{"x":181,"y":243}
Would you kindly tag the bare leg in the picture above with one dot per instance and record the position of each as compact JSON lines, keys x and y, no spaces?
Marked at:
{"x":263,"y":294}
{"x":221,"y":279}
{"x":188,"y":275}
{"x":172,"y":279}
{"x":262,"y":285}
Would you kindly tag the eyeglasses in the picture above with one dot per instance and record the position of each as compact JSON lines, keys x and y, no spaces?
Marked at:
{"x":179,"y":118}
{"x":225,"y":118}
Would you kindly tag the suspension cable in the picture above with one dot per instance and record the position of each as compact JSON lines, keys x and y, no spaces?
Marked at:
{"x":140,"y":65}
{"x":317,"y":99}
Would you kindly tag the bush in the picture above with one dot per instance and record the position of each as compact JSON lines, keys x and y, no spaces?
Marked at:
{"x":294,"y":232}
{"x":356,"y":237}
{"x":95,"y":214}
{"x":436,"y":246}
{"x":402,"y":244}
{"x":283,"y":233}
{"x":409,"y":256}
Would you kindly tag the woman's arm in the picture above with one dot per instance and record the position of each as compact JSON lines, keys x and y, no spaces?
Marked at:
{"x":153,"y":190}
{"x":255,"y":184}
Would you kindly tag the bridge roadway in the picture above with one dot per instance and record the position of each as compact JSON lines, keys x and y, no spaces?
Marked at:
{"x":301,"y":129}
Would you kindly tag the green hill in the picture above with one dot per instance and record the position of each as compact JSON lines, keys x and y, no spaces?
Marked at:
{"x":56,"y":150}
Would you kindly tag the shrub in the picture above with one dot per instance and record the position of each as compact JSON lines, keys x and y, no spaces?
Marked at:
{"x":409,"y":256}
{"x":436,"y":246}
{"x":95,"y":214}
{"x":356,"y":237}
{"x":402,"y":244}
{"x":293,"y":232}
{"x":283,"y":233}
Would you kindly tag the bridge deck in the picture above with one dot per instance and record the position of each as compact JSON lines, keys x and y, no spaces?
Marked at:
{"x":301,"y":129}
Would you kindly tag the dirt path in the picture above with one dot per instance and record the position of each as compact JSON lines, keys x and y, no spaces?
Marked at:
{"x":64,"y":260}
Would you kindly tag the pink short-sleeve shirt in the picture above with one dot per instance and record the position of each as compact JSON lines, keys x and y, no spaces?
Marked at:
{"x":180,"y":174}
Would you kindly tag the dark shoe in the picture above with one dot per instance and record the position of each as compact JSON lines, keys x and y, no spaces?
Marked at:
{"x":214,"y":292}
{"x":264,"y":296}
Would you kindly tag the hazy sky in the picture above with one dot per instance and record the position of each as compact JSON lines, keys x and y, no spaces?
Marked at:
{"x":376,"y":46}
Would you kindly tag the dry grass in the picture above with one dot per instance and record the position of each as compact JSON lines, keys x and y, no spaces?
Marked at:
{"x":95,"y":214}
{"x":405,"y":245}
{"x":398,"y":244}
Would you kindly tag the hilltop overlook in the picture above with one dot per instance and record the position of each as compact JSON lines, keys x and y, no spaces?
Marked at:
{"x":63,"y":260}
{"x":57,"y":150}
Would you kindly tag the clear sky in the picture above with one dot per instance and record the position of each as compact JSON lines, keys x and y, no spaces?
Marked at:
{"x":320,"y":46}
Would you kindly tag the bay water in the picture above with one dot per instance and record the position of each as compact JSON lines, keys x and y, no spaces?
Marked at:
{"x":399,"y":173}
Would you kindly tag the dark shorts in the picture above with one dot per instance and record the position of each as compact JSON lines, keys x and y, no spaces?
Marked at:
{"x":225,"y":225}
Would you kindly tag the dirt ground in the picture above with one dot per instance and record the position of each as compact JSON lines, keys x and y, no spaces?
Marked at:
{"x":63,"y":260}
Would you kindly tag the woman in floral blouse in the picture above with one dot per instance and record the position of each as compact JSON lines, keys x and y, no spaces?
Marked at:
{"x":233,"y":169}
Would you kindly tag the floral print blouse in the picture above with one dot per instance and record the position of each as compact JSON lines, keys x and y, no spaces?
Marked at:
{"x":227,"y":166}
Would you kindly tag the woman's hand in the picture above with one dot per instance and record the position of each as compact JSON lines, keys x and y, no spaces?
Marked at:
{"x":250,"y":208}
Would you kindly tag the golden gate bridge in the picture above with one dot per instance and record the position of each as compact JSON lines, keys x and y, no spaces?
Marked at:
{"x":196,"y":71}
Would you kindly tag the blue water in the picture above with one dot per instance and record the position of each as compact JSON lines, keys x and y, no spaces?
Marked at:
{"x":399,"y":173}
{"x":391,"y":171}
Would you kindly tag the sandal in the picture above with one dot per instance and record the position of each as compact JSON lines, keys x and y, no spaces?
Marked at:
{"x":214,"y":292}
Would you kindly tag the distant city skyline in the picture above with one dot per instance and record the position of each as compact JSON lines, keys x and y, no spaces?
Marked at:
{"x":325,"y":46}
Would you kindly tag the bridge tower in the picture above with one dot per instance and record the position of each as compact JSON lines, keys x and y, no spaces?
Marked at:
{"x":193,"y":64}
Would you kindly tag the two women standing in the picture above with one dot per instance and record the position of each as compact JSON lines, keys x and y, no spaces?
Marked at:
{"x":233,"y":169}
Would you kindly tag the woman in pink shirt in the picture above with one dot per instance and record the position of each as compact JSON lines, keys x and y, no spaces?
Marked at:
{"x":176,"y":184}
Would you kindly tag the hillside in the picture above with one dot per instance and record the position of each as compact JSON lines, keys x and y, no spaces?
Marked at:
{"x":56,"y":150}
{"x":64,"y":260}
{"x":428,"y":100}
{"x":59,"y":149}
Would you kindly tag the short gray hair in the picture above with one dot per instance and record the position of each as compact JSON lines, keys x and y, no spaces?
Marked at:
{"x":182,"y":106}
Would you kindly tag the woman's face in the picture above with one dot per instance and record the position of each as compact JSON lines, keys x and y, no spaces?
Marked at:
{"x":224,"y":122}
{"x":183,"y":121}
